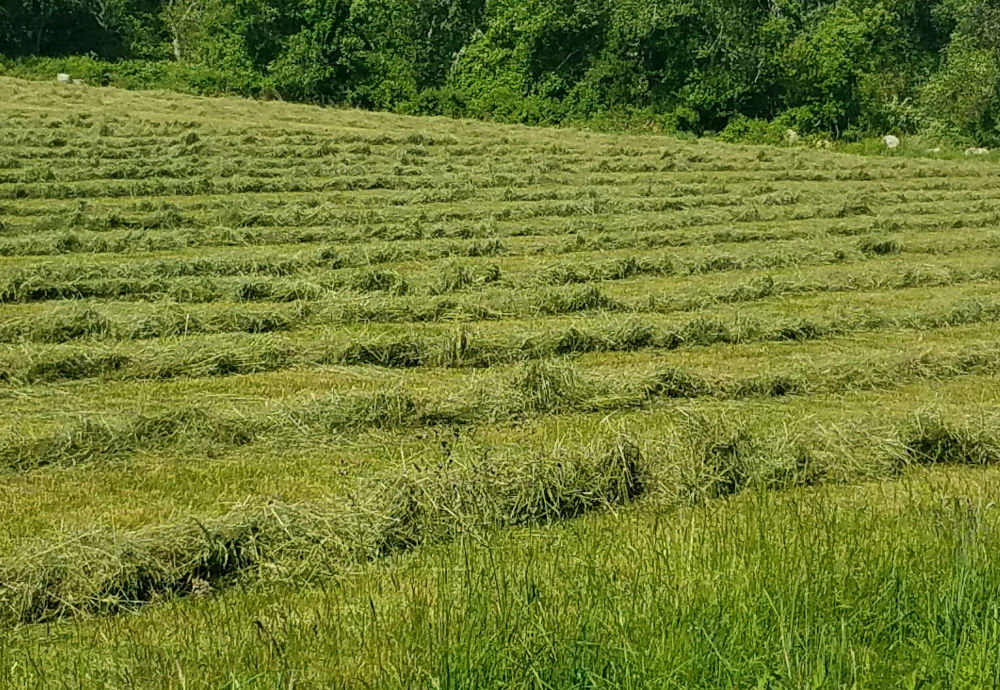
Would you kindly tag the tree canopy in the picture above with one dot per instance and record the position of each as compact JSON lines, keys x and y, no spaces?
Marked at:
{"x":840,"y":67}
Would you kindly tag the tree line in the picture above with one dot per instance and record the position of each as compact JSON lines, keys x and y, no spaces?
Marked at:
{"x":749,"y":68}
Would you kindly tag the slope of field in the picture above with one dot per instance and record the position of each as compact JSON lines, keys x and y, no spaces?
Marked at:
{"x":448,"y":404}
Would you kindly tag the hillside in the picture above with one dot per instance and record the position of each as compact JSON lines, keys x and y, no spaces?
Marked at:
{"x":299,"y":397}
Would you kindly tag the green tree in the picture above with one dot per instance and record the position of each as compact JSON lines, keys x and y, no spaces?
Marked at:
{"x":964,"y":96}
{"x":529,"y":57}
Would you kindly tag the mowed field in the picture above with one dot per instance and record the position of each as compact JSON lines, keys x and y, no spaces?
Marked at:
{"x":298,"y":398}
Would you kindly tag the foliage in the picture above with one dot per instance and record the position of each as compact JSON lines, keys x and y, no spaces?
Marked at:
{"x":964,"y":96}
{"x":845,"y":68}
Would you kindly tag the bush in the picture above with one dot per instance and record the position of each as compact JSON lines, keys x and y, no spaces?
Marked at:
{"x":742,"y":129}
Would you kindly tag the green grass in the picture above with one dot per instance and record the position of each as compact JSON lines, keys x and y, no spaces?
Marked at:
{"x":299,"y":397}
{"x":879,"y":586}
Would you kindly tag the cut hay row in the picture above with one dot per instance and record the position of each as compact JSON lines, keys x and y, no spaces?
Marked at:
{"x":532,"y":390}
{"x":109,"y":572}
{"x":271,"y":279}
{"x":95,"y":320}
{"x":493,"y":343}
{"x":237,"y":209}
{"x":51,"y":234}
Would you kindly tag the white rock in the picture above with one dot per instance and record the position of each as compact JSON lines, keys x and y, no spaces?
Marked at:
{"x":792,"y":137}
{"x":934,"y":150}
{"x":976,"y":152}
{"x":78,"y":82}
{"x":891,"y":142}
{"x":62,"y":78}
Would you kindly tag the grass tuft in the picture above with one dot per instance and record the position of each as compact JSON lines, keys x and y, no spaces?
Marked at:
{"x":880,"y":247}
{"x":381,"y":281}
{"x":545,"y":387}
{"x":937,"y":440}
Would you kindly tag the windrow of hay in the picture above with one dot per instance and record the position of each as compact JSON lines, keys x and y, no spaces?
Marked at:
{"x":527,"y":390}
{"x":47,"y":233}
{"x":702,"y":458}
{"x":323,"y":274}
{"x":464,"y":347}
{"x":264,"y":306}
{"x":108,"y":572}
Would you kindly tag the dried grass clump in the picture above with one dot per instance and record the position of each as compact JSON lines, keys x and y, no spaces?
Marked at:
{"x":934,"y":439}
{"x":103,"y":572}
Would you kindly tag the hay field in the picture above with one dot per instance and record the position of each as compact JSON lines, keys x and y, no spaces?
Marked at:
{"x":306,"y":398}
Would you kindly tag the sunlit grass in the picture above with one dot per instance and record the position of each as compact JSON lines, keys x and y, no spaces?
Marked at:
{"x":297,"y":397}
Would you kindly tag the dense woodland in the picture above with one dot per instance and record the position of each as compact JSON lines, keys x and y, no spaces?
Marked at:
{"x":750,"y":69}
